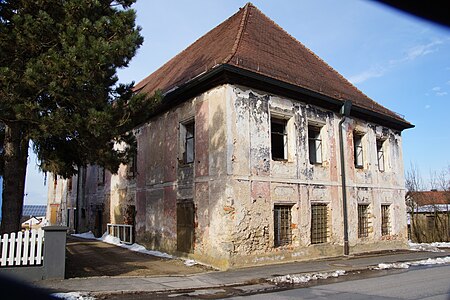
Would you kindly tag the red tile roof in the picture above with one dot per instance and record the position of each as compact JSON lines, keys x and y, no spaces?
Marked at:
{"x":251,"y":41}
{"x":431,"y":197}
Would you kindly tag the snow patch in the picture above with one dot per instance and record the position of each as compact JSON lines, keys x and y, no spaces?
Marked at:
{"x":190,"y":262}
{"x":304,"y":278}
{"x":406,"y":265}
{"x":87,"y":235}
{"x":73,"y":296}
{"x":431,"y":247}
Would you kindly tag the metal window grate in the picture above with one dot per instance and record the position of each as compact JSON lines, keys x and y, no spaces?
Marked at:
{"x":282,"y":225}
{"x":363,"y":220}
{"x":385,"y":229}
{"x":319,"y":223}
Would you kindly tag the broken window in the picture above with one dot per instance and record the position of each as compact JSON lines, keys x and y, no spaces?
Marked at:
{"x":385,"y":230}
{"x":282,"y":225}
{"x":380,"y":155}
{"x":363,"y":220}
{"x":187,"y":136}
{"x":358,"y":157}
{"x":315,"y":145}
{"x":319,"y":223}
{"x":279,"y":139}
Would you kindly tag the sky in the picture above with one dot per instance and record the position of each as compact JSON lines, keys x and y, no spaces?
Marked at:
{"x":398,"y":60}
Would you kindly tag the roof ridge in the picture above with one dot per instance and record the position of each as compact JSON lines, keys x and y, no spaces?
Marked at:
{"x":141,"y":84}
{"x":240,"y":32}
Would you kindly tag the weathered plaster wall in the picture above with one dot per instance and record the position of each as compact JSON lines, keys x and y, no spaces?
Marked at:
{"x":257,"y":183}
{"x":234,"y":183}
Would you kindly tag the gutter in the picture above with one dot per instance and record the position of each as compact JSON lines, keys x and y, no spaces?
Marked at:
{"x":226,"y":73}
{"x":345,"y":111}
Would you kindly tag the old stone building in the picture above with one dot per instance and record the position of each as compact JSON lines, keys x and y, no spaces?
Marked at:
{"x":254,"y":158}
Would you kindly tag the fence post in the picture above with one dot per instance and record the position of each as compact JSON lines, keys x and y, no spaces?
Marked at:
{"x":55,"y":252}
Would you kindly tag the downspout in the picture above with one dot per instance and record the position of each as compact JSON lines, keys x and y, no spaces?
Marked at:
{"x":76,"y":215}
{"x":345,"y":111}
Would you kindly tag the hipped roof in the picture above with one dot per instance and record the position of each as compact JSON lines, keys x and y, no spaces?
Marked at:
{"x":251,"y":42}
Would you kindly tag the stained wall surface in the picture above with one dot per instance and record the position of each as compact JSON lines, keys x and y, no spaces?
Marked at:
{"x":235,"y":184}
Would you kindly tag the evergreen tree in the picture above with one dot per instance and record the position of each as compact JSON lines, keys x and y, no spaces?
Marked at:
{"x":59,"y":90}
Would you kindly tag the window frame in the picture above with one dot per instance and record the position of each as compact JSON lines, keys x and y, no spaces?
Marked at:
{"x":187,"y":142}
{"x":315,"y":144}
{"x":319,"y":231}
{"x":358,"y":149}
{"x":282,"y":226}
{"x":385,"y":219}
{"x":279,"y":121}
{"x":381,"y":160}
{"x":363,"y":220}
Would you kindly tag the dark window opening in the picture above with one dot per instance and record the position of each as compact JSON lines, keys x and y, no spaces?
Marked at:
{"x":278,"y":134}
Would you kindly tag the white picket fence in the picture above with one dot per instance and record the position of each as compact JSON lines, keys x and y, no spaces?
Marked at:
{"x":22,"y":248}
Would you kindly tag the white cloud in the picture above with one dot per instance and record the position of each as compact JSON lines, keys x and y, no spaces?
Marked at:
{"x":427,"y":106}
{"x":436,"y":88}
{"x":440,"y":94}
{"x":368,"y":74}
{"x":410,"y":55}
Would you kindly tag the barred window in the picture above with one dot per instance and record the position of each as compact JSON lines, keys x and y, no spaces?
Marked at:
{"x":363,"y":220}
{"x":319,"y":223}
{"x":279,"y":139}
{"x":282,"y":225}
{"x":385,"y":221}
{"x":315,"y":145}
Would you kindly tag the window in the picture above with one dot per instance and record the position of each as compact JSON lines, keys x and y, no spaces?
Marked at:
{"x":385,"y":230}
{"x":363,"y":220}
{"x":282,"y":225}
{"x":380,"y":155}
{"x":357,"y":142}
{"x":100,"y":175}
{"x":187,"y":134}
{"x":132,"y":166}
{"x":315,"y":145}
{"x":319,"y":223}
{"x":278,"y":134}
{"x":431,"y":223}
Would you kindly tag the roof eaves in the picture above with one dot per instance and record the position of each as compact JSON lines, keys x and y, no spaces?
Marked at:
{"x":267,"y":83}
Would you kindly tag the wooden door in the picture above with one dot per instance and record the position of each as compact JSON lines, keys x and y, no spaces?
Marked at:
{"x":185,"y":226}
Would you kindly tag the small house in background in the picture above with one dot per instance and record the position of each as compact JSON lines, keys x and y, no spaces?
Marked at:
{"x":429,"y":216}
{"x":242,"y":164}
{"x":33,"y":216}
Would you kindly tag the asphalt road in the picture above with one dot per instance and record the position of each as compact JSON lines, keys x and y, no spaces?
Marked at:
{"x":432,"y":282}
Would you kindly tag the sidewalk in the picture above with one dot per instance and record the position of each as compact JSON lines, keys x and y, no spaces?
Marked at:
{"x":216,"y":279}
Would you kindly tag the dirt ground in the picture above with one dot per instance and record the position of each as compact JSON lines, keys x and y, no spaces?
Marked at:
{"x":89,"y":258}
